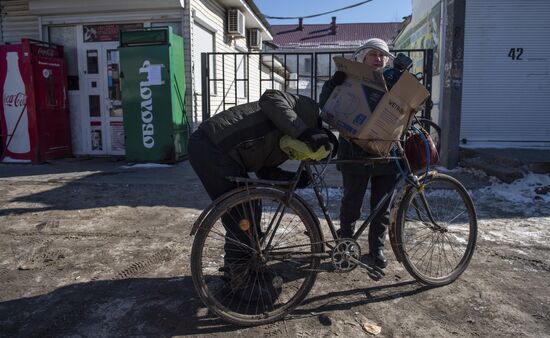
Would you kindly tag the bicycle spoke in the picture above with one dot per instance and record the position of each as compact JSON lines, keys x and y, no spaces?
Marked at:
{"x":437,"y":251}
{"x":268,"y":277}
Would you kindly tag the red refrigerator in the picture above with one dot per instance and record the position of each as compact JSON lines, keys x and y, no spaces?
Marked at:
{"x":34,"y":115}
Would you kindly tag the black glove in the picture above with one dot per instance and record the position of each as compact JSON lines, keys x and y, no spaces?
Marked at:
{"x":304,"y":180}
{"x":333,"y":141}
{"x":315,"y":138}
{"x":338,"y":78}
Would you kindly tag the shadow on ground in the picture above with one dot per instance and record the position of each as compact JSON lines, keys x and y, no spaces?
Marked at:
{"x":148,"y":307}
{"x":102,"y":184}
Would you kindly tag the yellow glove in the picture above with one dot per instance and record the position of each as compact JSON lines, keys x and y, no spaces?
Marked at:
{"x":298,"y":150}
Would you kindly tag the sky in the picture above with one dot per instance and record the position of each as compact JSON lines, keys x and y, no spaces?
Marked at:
{"x":374,"y":11}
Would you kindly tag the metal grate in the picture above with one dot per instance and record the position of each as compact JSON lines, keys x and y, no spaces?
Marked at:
{"x":297,"y":73}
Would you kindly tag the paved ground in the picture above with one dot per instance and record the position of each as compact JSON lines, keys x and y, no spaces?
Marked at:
{"x":90,"y":248}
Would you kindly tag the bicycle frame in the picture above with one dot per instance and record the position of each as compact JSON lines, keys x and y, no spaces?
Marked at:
{"x":406,"y":183}
{"x":289,"y":187}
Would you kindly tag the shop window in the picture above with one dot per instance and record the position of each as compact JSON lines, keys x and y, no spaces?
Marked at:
{"x":66,"y":36}
{"x":93,"y":102}
{"x":113,"y":83}
{"x":92,"y":61}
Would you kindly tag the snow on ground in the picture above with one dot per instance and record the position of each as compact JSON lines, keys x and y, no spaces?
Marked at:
{"x":522,"y":190}
{"x":146,"y":166}
{"x":528,"y":197}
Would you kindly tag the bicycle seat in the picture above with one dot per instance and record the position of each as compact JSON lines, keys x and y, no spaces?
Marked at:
{"x":298,"y":150}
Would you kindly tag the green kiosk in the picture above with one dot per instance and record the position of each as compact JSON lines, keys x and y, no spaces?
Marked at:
{"x":153,"y":97}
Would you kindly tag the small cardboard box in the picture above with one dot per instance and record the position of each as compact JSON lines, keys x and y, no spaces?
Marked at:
{"x":363,"y":110}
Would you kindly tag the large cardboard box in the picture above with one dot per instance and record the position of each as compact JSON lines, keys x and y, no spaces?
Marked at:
{"x":364,"y":111}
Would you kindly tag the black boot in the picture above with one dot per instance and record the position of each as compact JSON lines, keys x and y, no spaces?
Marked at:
{"x":378,"y":258}
{"x":346,"y":230}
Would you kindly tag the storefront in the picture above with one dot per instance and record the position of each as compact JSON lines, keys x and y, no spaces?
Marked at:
{"x":91,"y":47}
{"x":89,"y":32}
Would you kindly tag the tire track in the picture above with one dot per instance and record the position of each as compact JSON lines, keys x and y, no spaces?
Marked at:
{"x":164,"y":255}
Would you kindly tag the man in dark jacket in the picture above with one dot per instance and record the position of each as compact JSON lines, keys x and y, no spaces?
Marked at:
{"x":245,"y":139}
{"x":356,"y":177}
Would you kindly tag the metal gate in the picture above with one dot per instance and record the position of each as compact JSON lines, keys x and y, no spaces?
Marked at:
{"x":230,"y":79}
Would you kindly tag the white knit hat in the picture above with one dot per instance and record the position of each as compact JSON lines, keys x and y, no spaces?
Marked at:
{"x":374,"y":43}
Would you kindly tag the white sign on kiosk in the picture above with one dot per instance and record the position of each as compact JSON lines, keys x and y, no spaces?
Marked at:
{"x":364,"y":111}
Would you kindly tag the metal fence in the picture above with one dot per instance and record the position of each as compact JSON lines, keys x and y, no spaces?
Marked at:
{"x":229,"y":79}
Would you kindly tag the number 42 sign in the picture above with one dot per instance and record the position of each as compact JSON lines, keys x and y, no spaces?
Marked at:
{"x":515,"y":53}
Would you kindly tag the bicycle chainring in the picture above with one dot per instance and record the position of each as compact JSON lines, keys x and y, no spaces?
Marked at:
{"x":343,"y":251}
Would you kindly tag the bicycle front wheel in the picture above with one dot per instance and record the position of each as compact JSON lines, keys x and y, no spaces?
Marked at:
{"x":256,"y":256}
{"x":436,"y":230}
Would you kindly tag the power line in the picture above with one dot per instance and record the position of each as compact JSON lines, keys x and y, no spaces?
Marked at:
{"x":315,"y":15}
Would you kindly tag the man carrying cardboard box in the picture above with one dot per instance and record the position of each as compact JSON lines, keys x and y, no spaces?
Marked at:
{"x":375,"y":53}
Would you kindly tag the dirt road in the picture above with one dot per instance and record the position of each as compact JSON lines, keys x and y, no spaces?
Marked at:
{"x":90,"y":248}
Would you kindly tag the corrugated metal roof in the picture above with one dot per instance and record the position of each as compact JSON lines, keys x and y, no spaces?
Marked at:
{"x":346,"y":34}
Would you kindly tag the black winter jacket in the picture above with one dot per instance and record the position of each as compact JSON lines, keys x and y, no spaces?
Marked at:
{"x":250,"y":133}
{"x":348,"y":150}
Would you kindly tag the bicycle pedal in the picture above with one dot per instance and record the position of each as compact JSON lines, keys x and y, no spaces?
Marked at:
{"x":374,"y":272}
{"x":375,"y":276}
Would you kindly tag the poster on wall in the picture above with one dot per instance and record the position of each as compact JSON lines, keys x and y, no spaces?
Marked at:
{"x":117,"y":136}
{"x":102,"y":33}
{"x":424,"y":35}
{"x":95,"y":134}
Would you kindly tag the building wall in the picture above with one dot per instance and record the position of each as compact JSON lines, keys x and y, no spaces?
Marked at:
{"x":424,"y":32}
{"x":16,"y":22}
{"x":447,"y":38}
{"x":211,"y":16}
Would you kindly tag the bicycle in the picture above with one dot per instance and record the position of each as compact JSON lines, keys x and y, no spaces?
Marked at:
{"x":432,"y":233}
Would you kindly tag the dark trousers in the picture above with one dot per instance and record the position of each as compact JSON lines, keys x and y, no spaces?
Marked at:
{"x":355,"y":187}
{"x":213,"y":166}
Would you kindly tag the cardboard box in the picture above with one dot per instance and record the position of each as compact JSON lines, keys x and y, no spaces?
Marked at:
{"x":365,"y":112}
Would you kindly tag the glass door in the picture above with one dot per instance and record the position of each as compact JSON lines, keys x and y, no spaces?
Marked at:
{"x":104,"y":128}
{"x":115,"y":132}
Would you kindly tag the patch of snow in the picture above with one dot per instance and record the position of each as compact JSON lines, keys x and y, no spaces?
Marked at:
{"x":8,"y":159}
{"x":445,"y":170}
{"x":519,"y":231}
{"x":522,"y":190}
{"x":309,"y":195}
{"x":146,"y":166}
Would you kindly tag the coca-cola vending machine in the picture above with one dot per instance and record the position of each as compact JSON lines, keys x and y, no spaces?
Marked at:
{"x":34,"y":115}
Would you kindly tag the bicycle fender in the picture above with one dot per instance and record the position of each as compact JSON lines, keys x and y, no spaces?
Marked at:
{"x":393,"y":222}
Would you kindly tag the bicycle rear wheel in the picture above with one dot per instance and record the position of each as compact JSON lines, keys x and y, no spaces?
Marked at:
{"x":436,"y":252}
{"x":269,"y":270}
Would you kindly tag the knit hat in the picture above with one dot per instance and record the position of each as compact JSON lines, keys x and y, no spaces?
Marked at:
{"x":374,"y":43}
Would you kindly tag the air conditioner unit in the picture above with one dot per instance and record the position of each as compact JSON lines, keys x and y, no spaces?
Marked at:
{"x":235,"y":22}
{"x":254,"y":38}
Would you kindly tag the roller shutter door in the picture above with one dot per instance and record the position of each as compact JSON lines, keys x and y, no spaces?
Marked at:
{"x":506,"y":78}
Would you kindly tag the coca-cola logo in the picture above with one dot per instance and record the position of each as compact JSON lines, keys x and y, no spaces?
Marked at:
{"x":15,"y":100}
{"x":45,"y":52}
